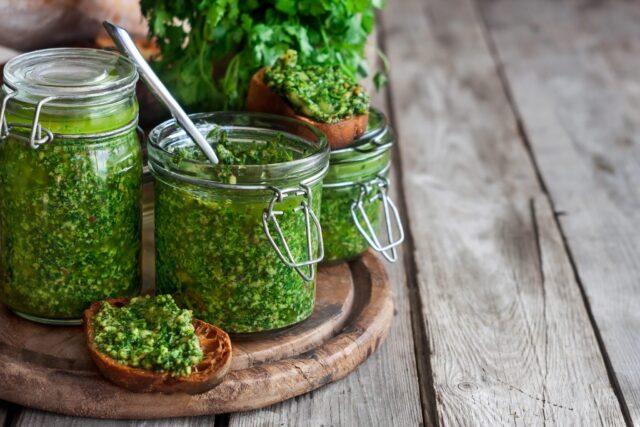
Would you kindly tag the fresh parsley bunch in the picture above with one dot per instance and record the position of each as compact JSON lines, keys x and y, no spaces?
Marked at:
{"x":211,"y":48}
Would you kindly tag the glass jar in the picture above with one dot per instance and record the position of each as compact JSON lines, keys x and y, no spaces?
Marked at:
{"x":355,"y":196}
{"x":239,"y":244}
{"x":70,"y":183}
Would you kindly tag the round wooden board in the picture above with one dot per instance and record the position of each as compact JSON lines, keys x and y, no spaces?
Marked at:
{"x":48,"y":367}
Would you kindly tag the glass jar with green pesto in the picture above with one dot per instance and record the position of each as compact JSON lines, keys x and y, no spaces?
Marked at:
{"x":355,"y":203}
{"x":238,"y":242}
{"x":70,"y":183}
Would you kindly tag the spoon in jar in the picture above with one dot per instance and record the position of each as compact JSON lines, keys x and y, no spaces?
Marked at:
{"x":125,"y":44}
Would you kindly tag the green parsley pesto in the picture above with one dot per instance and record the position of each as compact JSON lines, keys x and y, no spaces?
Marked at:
{"x":213,"y":256}
{"x":69,"y":223}
{"x":342,"y":239}
{"x":212,"y":253}
{"x":350,"y":168}
{"x":271,"y":150}
{"x":152,"y":333}
{"x":70,"y":206}
{"x":323,"y":93}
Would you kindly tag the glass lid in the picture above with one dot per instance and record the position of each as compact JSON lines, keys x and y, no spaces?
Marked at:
{"x":73,"y":74}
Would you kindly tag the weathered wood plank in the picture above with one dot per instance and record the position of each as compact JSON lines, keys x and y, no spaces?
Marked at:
{"x":33,"y":418}
{"x":383,"y":391}
{"x":573,"y":68}
{"x":510,"y":338}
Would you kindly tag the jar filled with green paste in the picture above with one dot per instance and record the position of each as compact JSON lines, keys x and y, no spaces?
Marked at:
{"x":238,"y":242}
{"x":357,"y":213}
{"x":70,"y":183}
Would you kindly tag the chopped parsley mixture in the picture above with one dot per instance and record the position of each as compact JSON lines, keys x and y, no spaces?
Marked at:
{"x":234,"y":153}
{"x":213,"y":254}
{"x":214,"y":257}
{"x":152,"y":333}
{"x":323,"y":93}
{"x":69,"y":220}
{"x":342,"y":239}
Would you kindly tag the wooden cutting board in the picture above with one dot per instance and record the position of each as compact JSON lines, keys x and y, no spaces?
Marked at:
{"x":49,"y":368}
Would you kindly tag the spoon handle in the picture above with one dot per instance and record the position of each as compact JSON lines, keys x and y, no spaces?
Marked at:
{"x":125,"y":44}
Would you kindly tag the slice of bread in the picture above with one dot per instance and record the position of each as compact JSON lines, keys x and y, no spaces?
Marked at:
{"x":215,"y":344}
{"x":261,"y":98}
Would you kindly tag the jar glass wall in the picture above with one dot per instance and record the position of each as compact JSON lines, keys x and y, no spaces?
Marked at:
{"x":217,"y":237}
{"x":355,"y":197}
{"x":70,"y":191}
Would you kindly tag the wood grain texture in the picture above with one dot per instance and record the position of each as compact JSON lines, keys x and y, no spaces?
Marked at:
{"x":65,"y":348}
{"x":510,"y":338}
{"x":383,"y":391}
{"x":574,"y":72}
{"x":64,"y":384}
{"x":35,"y":418}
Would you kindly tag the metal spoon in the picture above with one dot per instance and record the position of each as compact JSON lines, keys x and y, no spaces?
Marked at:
{"x":125,"y":44}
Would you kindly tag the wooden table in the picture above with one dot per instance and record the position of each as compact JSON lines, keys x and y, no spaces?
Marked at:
{"x":517,"y":172}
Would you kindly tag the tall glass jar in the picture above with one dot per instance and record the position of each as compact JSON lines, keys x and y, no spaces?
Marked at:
{"x":238,"y":244}
{"x":70,"y":183}
{"x":355,"y":200}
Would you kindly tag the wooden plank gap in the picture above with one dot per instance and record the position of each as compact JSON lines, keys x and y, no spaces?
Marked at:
{"x":8,"y":413}
{"x":419,"y":332}
{"x":222,"y":420}
{"x":526,"y":141}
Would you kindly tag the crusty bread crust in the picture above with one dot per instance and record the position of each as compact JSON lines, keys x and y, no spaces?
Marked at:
{"x":215,"y":344}
{"x":261,"y":98}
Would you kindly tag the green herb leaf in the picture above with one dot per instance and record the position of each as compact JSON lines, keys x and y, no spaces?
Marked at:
{"x":209,"y":49}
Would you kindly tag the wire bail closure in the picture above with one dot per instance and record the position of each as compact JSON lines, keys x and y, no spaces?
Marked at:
{"x":270,"y":215}
{"x":36,"y":138}
{"x":378,"y":189}
{"x":4,"y":127}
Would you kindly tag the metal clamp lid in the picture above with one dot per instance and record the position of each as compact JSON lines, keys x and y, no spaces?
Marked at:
{"x":270,"y":215}
{"x":36,"y":138}
{"x":377,"y":189}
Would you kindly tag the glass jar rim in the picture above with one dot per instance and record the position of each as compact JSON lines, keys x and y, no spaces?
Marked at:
{"x":70,"y":76}
{"x":377,"y":139}
{"x":306,"y":169}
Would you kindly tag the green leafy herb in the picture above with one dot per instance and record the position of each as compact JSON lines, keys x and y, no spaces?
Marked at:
{"x":210,"y":48}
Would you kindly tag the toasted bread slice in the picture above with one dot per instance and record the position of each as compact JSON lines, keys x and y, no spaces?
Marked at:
{"x":261,"y":98}
{"x":215,"y":344}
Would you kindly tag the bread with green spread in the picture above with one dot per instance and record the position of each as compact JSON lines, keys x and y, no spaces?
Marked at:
{"x":323,"y":97}
{"x":128,"y":365}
